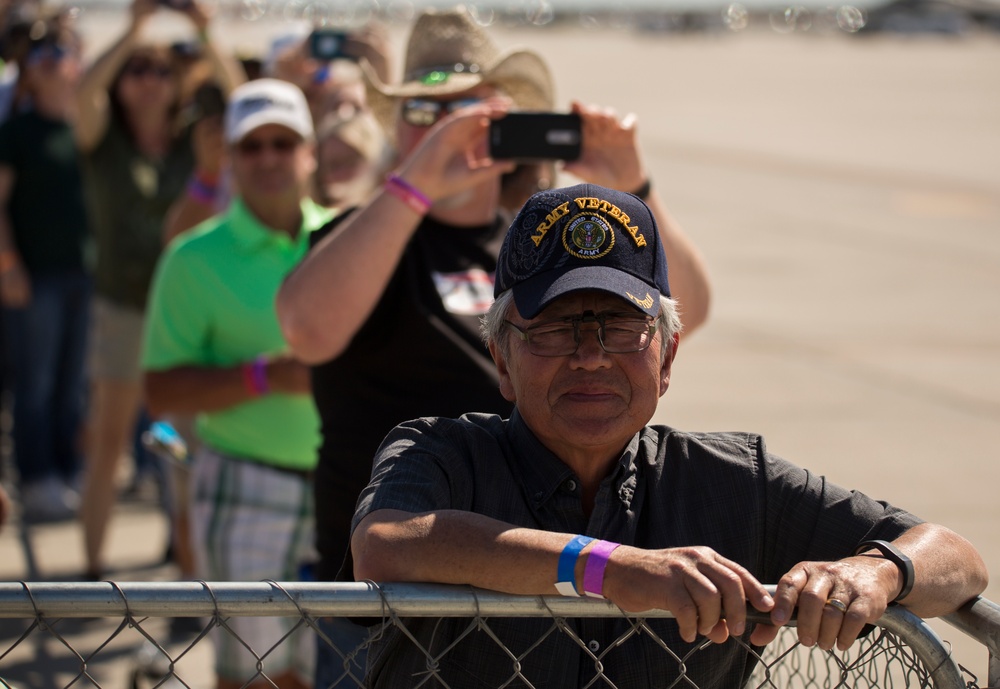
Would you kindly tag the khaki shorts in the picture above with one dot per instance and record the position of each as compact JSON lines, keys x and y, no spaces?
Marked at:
{"x":115,"y":342}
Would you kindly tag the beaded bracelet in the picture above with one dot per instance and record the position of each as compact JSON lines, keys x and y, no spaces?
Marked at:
{"x":566,"y":572}
{"x":593,"y":573}
{"x":408,"y":194}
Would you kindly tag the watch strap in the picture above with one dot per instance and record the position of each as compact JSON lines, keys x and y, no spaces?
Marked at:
{"x":896,"y":556}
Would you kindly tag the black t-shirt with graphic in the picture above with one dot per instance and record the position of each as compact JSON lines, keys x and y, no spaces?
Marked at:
{"x":419,"y":354}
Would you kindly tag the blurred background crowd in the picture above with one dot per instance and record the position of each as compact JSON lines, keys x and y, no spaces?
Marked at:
{"x":101,"y":167}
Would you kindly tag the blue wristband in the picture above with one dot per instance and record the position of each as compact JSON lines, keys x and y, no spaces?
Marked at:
{"x":566,"y":573}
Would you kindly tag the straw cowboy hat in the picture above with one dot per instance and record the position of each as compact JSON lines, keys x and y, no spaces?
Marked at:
{"x":449,"y":53}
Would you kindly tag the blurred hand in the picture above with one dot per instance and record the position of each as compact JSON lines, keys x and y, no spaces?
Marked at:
{"x":454,"y":155}
{"x":289,"y":376}
{"x":199,"y":14}
{"x":209,"y":145}
{"x":15,"y":287}
{"x":4,"y":507}
{"x":295,"y":65}
{"x":610,"y":156}
{"x":143,"y":10}
{"x":706,"y":592}
{"x":865,"y":585}
{"x":373,"y":44}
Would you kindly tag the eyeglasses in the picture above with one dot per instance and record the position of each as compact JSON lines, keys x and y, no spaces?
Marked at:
{"x":618,"y":333}
{"x":142,"y":69}
{"x":282,"y":145}
{"x":422,"y":112}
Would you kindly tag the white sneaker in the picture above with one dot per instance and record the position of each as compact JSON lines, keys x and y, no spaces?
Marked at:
{"x":48,"y":500}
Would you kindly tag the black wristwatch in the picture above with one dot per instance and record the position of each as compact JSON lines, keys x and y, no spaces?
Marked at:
{"x":895,"y":555}
{"x":643,"y":191}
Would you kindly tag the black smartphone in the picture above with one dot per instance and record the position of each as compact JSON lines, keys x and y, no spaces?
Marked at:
{"x":528,"y":136}
{"x":327,"y":44}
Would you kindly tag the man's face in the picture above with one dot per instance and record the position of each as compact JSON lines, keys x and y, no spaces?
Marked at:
{"x":272,"y":163}
{"x":589,"y":402}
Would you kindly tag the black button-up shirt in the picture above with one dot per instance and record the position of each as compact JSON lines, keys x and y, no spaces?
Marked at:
{"x":668,"y":489}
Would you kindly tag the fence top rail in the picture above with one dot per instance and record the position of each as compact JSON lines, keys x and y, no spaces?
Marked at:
{"x":980,"y":619}
{"x":284,"y":599}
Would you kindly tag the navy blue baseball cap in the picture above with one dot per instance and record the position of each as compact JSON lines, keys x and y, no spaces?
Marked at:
{"x":583,"y":237}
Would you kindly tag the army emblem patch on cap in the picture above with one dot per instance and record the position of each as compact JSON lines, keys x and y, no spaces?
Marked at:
{"x":588,"y":235}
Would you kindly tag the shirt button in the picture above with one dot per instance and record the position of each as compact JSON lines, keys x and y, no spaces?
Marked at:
{"x":571,"y":486}
{"x":593,"y":645}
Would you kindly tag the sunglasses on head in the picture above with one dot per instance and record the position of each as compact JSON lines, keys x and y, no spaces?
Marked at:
{"x":142,"y":69}
{"x":281,"y":144}
{"x":422,"y":112}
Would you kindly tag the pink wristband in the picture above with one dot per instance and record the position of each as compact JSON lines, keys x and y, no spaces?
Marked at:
{"x":593,"y":573}
{"x":408,"y":194}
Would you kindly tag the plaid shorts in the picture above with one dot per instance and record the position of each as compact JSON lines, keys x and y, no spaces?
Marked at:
{"x":250,"y":522}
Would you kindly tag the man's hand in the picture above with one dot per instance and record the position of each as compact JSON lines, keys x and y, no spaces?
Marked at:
{"x":454,"y":155}
{"x":610,"y":155}
{"x":209,"y":145}
{"x":142,"y":10}
{"x":15,"y":287}
{"x":288,"y":375}
{"x":199,"y":14}
{"x":706,"y":592}
{"x":864,"y":585}
{"x":374,"y":44}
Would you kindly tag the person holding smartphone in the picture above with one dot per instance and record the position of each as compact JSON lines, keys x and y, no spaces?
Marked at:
{"x":324,"y":64}
{"x":136,"y":162}
{"x":386,"y":306}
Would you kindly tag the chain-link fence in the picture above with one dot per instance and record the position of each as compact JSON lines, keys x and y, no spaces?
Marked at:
{"x":118,"y":635}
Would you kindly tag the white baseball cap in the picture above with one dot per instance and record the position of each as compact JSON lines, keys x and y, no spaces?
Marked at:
{"x":267,"y":101}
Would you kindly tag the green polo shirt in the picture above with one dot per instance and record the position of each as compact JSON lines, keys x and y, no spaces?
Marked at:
{"x":212,"y":304}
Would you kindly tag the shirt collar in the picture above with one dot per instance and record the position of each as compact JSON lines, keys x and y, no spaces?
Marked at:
{"x":251,"y":233}
{"x":542,"y":473}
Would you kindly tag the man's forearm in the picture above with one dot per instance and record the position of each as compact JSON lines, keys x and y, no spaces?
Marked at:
{"x":948,"y":570}
{"x":455,"y":547}
{"x":190,"y":390}
{"x":689,"y":282}
{"x":328,"y":297}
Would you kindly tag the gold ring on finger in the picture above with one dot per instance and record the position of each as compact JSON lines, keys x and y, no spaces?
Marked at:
{"x":837,"y":605}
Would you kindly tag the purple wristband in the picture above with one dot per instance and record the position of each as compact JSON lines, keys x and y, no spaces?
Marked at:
{"x":409,"y":189}
{"x":593,"y":573}
{"x":200,"y":191}
{"x":259,"y":375}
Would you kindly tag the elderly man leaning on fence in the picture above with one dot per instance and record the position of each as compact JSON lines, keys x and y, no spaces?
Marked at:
{"x":583,"y":333}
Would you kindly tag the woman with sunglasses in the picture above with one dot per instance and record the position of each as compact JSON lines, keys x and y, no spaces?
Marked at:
{"x":136,"y":163}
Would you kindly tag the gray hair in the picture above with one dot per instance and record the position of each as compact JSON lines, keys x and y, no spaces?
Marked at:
{"x":493,"y":328}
